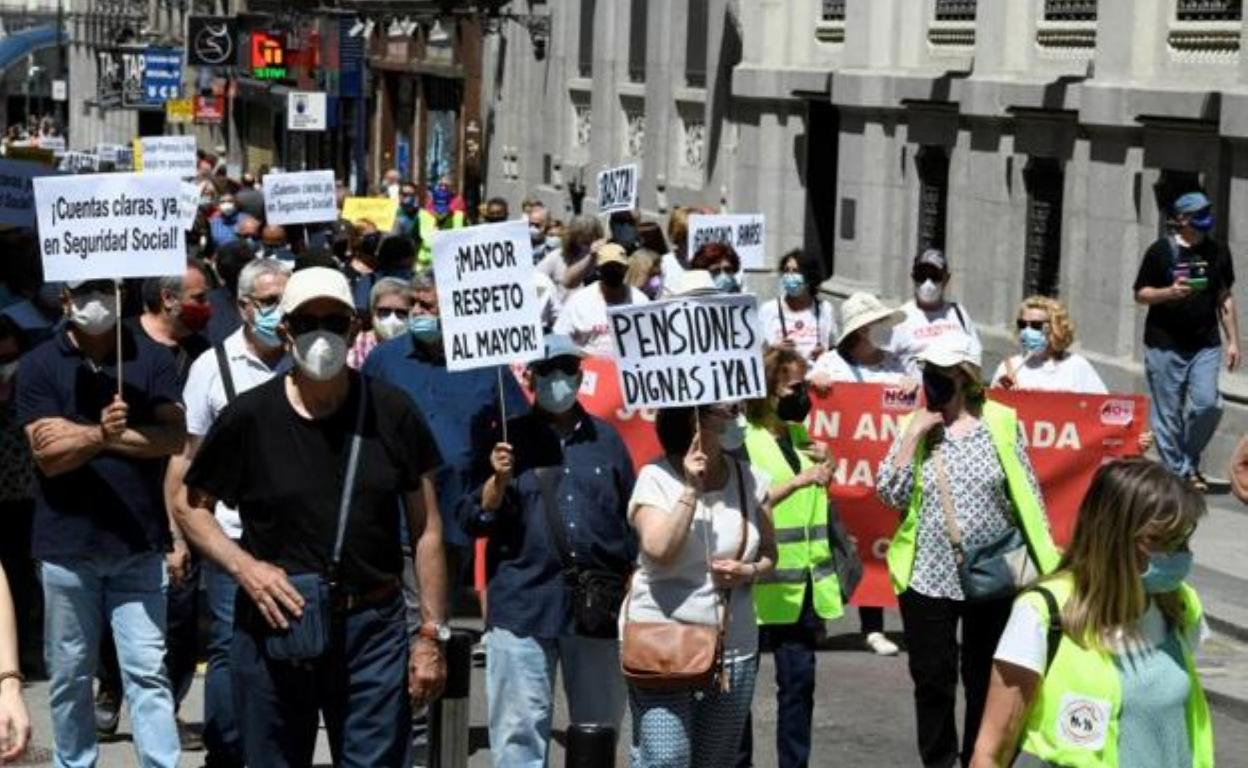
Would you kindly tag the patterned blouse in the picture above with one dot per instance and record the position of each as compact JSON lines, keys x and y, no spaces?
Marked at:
{"x":16,"y":465}
{"x":981,"y":504}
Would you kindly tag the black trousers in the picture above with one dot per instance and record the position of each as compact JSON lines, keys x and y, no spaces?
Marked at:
{"x":931,"y":632}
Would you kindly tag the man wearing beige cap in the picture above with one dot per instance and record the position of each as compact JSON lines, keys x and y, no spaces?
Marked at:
{"x":316,"y":463}
{"x":584,"y":314}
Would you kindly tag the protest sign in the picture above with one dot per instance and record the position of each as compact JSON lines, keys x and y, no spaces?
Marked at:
{"x":381,"y":211}
{"x":745,"y":232}
{"x":54,"y":143}
{"x":617,"y":189}
{"x":17,"y":196}
{"x":165,"y":154}
{"x":179,"y":111}
{"x":689,"y":350}
{"x":107,"y":153}
{"x":188,"y":203}
{"x":306,"y":111}
{"x":119,"y":225}
{"x":305,"y":197}
{"x":486,"y":295}
{"x":79,"y":162}
{"x":1068,"y":437}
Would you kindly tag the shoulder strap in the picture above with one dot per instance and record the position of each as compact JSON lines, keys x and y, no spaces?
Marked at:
{"x":856,"y":370}
{"x":745,"y":511}
{"x":784,"y":328}
{"x":348,"y":483}
{"x":961,"y":319}
{"x":1055,"y":624}
{"x":546,"y":479}
{"x":946,"y":503}
{"x":227,"y":378}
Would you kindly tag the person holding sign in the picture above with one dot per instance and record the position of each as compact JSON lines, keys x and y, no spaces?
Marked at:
{"x":584,"y":316}
{"x":798,"y":318}
{"x":553,"y":507}
{"x":101,"y":528}
{"x":959,"y":474}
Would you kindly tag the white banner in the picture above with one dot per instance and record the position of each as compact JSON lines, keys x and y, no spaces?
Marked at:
{"x":690,"y":350}
{"x":107,"y":152}
{"x":17,"y":194}
{"x":617,"y":189}
{"x":486,"y":296}
{"x":166,"y":154}
{"x":119,"y":225}
{"x":306,"y":111}
{"x":188,"y":203}
{"x":305,"y":197}
{"x":745,"y":232}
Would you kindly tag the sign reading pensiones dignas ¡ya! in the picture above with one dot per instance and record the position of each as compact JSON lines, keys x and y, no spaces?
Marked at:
{"x":617,"y":189}
{"x":304,"y":197}
{"x":119,"y":225}
{"x":690,"y":350}
{"x":745,"y":232}
{"x":486,"y":296}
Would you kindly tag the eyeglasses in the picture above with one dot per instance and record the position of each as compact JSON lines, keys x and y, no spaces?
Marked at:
{"x":335,"y":324}
{"x":722,"y":270}
{"x":567,"y":365}
{"x":384,"y":312}
{"x":266,"y":302}
{"x":1035,"y":325}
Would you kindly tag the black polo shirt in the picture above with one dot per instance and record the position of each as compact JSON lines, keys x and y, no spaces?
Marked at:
{"x":284,"y":473}
{"x":112,"y":506}
{"x":1191,"y":324}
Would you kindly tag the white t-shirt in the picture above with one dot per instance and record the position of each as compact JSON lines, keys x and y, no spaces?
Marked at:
{"x":547,"y":298}
{"x":1072,"y":373}
{"x":584,"y":318}
{"x":682,"y":590}
{"x":831,"y":365}
{"x":807,"y":328}
{"x":671,"y":273}
{"x":205,"y":399}
{"x":922,"y":327}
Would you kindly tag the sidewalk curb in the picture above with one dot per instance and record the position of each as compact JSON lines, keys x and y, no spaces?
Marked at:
{"x":1228,"y":628}
{"x":1231,"y":706}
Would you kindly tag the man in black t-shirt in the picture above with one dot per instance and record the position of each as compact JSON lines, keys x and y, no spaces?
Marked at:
{"x":280,"y":454}
{"x":1185,"y":280}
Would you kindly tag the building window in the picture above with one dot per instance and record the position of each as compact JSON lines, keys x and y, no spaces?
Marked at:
{"x":1044,"y":180}
{"x":585,"y":53}
{"x":833,"y":10}
{"x":634,"y":133}
{"x":582,"y":124}
{"x":1210,"y":10}
{"x":695,"y":43}
{"x":693,"y":144}
{"x":955,"y":10}
{"x":933,"y":167}
{"x":1070,"y":10}
{"x":637,"y":41}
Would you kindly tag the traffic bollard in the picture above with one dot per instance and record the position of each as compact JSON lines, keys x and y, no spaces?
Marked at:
{"x":449,"y":715}
{"x":590,"y":745}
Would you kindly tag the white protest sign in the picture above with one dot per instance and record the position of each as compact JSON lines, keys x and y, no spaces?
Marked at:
{"x":306,"y":111}
{"x":689,"y":350}
{"x":188,"y":203}
{"x":486,"y":296}
{"x":54,"y":143}
{"x":745,"y":232}
{"x":17,"y":194}
{"x":119,"y":225}
{"x":305,"y":197}
{"x":617,"y":189}
{"x":107,"y":152}
{"x":166,"y":154}
{"x":79,"y":162}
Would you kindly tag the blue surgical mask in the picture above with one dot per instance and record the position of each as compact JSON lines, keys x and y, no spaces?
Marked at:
{"x":732,"y":437}
{"x":726,"y":283}
{"x":1032,"y":340}
{"x":1166,"y":571}
{"x":556,"y":392}
{"x":426,"y":329}
{"x":265,"y":326}
{"x":792,"y":283}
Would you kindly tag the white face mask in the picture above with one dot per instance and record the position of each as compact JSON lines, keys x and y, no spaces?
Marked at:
{"x":389,"y":326}
{"x":320,"y":354}
{"x":93,"y":313}
{"x":227,"y":209}
{"x":929,"y":292}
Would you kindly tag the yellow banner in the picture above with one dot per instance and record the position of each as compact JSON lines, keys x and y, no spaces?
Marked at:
{"x":137,"y":146}
{"x":381,"y":211}
{"x":180,"y":110}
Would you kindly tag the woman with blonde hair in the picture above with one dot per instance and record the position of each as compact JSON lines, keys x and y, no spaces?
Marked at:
{"x":1096,"y":665}
{"x":645,"y":272}
{"x":1045,"y":333}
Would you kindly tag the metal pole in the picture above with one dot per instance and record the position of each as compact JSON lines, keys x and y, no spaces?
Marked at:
{"x":449,"y":716}
{"x":590,"y":745}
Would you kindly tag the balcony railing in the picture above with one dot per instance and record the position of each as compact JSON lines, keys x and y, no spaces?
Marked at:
{"x":1210,"y":10}
{"x":1070,"y":10}
{"x":831,"y":26}
{"x":955,"y":10}
{"x":1068,"y":28}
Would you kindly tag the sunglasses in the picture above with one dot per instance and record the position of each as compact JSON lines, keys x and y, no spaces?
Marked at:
{"x":266,"y":302}
{"x":566,"y":365}
{"x":384,"y":312}
{"x":924,"y":274}
{"x":717,"y":271}
{"x":335,"y":324}
{"x":1035,"y":325}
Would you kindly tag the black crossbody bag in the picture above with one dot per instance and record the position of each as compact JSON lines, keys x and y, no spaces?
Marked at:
{"x":597,"y":593}
{"x":307,"y":637}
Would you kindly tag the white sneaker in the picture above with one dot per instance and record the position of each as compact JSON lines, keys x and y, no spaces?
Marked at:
{"x":881,"y":645}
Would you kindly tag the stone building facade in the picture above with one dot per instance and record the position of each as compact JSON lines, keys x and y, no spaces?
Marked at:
{"x":1035,"y":140}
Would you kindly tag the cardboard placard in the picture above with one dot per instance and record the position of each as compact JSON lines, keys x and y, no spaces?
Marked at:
{"x":689,"y":350}
{"x":304,"y":197}
{"x":486,"y":296}
{"x":17,"y":193}
{"x":617,"y":188}
{"x":381,"y":211}
{"x":745,"y":232}
{"x":173,"y":155}
{"x":188,"y":203}
{"x":119,"y":225}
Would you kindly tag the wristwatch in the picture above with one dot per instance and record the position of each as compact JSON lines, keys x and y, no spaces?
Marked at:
{"x":434,"y":631}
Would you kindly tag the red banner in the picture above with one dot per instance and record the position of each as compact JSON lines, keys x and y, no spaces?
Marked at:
{"x":600,"y":395}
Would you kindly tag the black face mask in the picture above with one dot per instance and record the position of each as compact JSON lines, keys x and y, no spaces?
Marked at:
{"x":794,"y":406}
{"x":938,"y":389}
{"x":612,"y":278}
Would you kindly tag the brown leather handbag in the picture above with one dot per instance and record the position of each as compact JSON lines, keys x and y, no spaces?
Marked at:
{"x":675,"y":655}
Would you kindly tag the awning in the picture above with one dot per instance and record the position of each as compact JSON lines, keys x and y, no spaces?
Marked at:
{"x":19,"y":45}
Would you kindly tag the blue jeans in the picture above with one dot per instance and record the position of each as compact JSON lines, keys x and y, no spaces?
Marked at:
{"x":520,"y":684}
{"x":686,"y":729}
{"x":359,"y":684}
{"x":129,"y":594}
{"x":221,"y":739}
{"x":1186,"y":406}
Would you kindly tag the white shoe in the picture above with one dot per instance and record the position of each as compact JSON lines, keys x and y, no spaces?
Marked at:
{"x":881,"y":645}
